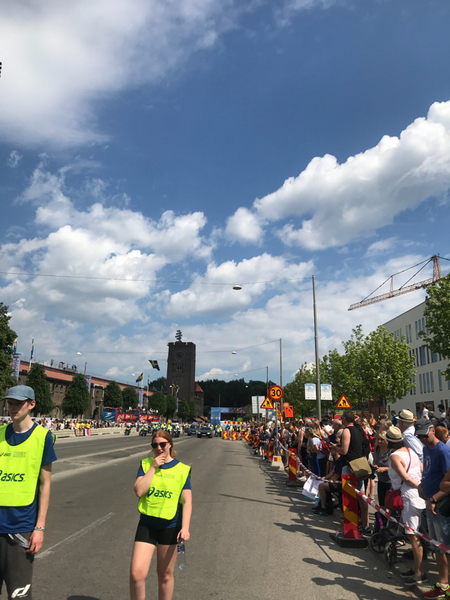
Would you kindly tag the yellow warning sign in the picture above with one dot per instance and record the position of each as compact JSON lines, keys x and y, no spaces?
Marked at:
{"x":343,"y":402}
{"x":267,"y":404}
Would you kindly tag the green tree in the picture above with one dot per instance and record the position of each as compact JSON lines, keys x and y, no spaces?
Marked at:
{"x":37,"y":380}
{"x":294,"y":392}
{"x":171,"y":407}
{"x":158,"y":401}
{"x":387,"y":367}
{"x":76,"y":401}
{"x":113,"y":395}
{"x":158,"y":384}
{"x":183,"y":410}
{"x":129,"y":398}
{"x":437,"y":313}
{"x":192,"y":409}
{"x":7,"y":337}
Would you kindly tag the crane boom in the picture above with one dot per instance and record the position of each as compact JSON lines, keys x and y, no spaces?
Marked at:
{"x":403,"y":290}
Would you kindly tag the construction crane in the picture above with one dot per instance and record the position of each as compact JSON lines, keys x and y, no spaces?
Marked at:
{"x":404,"y":289}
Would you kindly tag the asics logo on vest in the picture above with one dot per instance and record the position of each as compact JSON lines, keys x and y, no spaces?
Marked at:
{"x":159,"y":493}
{"x":21,"y":592}
{"x":11,"y":476}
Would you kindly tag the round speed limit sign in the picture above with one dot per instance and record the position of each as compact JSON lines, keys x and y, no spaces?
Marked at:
{"x":276,"y":393}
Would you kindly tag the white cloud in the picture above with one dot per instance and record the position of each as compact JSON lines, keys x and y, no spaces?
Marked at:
{"x":14,"y":159}
{"x":290,"y":8}
{"x":60,"y":59}
{"x":208,"y":295}
{"x":331,"y":204}
{"x":244,"y":227}
{"x":381,"y":246}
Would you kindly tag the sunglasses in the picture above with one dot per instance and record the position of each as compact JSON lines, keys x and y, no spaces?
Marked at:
{"x":423,"y":436}
{"x":162,"y":444}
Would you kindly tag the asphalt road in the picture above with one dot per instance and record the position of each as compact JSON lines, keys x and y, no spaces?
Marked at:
{"x":252,"y":538}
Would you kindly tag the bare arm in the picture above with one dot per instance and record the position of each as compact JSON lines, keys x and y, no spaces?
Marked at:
{"x":445,"y":483}
{"x":186,"y":501}
{"x":345,"y":442}
{"x":37,"y":537}
{"x":142,"y":484}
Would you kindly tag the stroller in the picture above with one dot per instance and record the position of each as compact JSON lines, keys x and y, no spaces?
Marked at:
{"x":389,"y":537}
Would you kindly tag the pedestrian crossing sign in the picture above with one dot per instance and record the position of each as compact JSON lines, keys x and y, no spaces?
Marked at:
{"x":343,"y":402}
{"x":267,"y":404}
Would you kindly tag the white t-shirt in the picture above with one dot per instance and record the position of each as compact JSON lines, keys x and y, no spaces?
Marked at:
{"x":317,"y":442}
{"x":425,"y":413}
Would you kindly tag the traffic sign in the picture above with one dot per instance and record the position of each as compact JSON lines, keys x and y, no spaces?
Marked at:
{"x":280,"y":416}
{"x":267,"y":404}
{"x":343,"y":402}
{"x":289,"y":412}
{"x":276,"y":393}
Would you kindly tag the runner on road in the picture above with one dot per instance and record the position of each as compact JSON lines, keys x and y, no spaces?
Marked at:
{"x":163,"y":486}
{"x":26,"y":457}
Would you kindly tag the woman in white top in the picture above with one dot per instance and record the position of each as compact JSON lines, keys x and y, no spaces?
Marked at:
{"x":405,"y":473}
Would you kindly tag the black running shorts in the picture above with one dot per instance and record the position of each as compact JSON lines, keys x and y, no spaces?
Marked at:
{"x":149,"y":535}
{"x":16,"y":565}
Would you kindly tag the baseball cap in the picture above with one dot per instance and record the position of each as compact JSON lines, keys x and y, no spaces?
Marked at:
{"x":406,"y":416}
{"x":20,"y":392}
{"x":424,"y":429}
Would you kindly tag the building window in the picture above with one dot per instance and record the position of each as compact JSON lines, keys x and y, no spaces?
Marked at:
{"x":428,"y":383}
{"x":417,"y":331}
{"x":432,"y":381}
{"x":420,"y":383}
{"x":434,"y":357}
{"x":410,"y":336}
{"x":440,"y":381}
{"x":423,"y":360}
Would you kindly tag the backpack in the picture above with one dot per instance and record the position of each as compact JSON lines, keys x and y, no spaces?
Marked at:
{"x":325,"y":448}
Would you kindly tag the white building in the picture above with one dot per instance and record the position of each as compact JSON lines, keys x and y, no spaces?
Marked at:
{"x":431,"y":387}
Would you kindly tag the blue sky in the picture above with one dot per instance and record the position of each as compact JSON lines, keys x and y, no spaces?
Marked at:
{"x":188,"y":145}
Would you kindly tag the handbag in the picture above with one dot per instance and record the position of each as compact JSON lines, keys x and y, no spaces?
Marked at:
{"x":393,"y":499}
{"x":360,"y":468}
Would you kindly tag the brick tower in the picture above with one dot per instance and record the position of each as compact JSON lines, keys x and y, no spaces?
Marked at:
{"x":181,"y":370}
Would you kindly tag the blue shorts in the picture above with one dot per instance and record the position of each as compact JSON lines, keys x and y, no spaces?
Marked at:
{"x":439,"y":529}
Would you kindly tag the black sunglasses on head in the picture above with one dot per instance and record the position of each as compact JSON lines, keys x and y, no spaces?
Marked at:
{"x":162,"y":444}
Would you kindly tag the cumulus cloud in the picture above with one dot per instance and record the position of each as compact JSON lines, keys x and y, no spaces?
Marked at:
{"x":244,"y":226}
{"x":209,"y":295}
{"x":381,"y":246}
{"x":59,"y":59}
{"x":330,"y":204}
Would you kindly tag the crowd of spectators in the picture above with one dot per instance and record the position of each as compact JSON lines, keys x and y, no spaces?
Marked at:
{"x":405,"y":454}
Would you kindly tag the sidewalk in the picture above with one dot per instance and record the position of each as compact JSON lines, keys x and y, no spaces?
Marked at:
{"x":319,"y":528}
{"x":70,"y":433}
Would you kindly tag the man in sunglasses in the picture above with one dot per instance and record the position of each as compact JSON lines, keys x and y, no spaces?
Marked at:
{"x":436,"y":463}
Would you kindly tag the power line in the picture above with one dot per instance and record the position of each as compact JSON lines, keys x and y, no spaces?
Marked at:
{"x":129,"y":280}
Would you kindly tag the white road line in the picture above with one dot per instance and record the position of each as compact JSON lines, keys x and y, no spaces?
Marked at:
{"x":75,"y":536}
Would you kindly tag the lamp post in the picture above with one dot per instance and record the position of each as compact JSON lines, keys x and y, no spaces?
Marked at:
{"x":316,"y":340}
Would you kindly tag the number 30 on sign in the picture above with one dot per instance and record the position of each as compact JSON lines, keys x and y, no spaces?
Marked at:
{"x":276,"y":393}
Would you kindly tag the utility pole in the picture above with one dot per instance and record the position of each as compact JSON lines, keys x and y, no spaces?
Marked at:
{"x":316,"y":339}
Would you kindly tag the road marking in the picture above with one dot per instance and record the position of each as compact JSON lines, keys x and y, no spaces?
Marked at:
{"x":204,"y":452}
{"x":75,"y":536}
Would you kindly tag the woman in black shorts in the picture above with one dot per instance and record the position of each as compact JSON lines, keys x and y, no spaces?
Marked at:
{"x":163,"y":486}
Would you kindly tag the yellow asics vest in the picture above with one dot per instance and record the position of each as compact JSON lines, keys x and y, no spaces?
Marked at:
{"x":162,"y":498}
{"x":20,"y":467}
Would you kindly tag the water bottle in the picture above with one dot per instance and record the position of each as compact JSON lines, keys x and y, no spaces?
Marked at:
{"x":181,"y":555}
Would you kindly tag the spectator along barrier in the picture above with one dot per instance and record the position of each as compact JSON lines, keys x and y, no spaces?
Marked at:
{"x":349,"y":488}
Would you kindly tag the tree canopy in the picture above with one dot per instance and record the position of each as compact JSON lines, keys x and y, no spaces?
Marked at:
{"x":37,"y":380}
{"x":171,"y":407}
{"x":7,"y":337}
{"x":113,"y":395}
{"x":183,"y":410}
{"x":129,"y":398}
{"x":437,"y":313}
{"x":158,"y":401}
{"x":76,"y":401}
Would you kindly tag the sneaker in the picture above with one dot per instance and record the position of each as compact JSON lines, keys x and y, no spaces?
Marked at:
{"x":317,"y":510}
{"x":415,"y":579}
{"x":437,"y":591}
{"x":323,"y":512}
{"x":365,"y":532}
{"x":408,"y":573}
